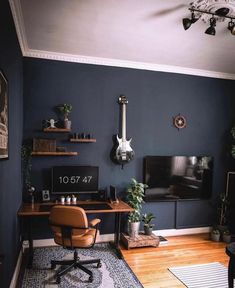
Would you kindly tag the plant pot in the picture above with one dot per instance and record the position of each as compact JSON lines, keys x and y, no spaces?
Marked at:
{"x":67,"y":124}
{"x":222,"y":228}
{"x":133,"y":229}
{"x":215,"y":237}
{"x":148,"y":230}
{"x":227,"y":238}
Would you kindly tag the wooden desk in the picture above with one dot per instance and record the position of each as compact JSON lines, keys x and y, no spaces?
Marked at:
{"x":29,"y":211}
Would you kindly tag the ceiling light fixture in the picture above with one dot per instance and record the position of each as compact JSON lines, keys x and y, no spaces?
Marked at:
{"x":211,"y":29}
{"x":187,"y":22}
{"x":219,"y":13}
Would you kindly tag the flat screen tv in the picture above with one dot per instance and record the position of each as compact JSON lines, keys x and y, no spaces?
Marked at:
{"x":178,"y":177}
{"x":74,"y":179}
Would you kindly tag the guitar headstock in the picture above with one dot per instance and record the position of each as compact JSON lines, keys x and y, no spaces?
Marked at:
{"x":122,"y":99}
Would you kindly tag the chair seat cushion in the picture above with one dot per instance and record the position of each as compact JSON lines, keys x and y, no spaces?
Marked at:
{"x":82,"y":240}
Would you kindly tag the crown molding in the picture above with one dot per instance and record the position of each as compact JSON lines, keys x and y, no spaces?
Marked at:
{"x":27,"y":52}
{"x":19,"y":24}
{"x":125,"y":64}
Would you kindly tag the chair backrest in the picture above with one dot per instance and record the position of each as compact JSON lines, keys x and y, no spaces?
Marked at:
{"x":68,"y":216}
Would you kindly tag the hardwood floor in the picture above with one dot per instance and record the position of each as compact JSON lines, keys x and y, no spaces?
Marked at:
{"x":150,"y":264}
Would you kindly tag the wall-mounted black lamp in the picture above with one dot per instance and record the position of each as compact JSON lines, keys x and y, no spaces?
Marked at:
{"x":221,"y":12}
{"x":211,"y":29}
{"x":188,"y":22}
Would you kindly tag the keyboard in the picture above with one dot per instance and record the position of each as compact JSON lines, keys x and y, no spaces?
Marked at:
{"x":90,"y":206}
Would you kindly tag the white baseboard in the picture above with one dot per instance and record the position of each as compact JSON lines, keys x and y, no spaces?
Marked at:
{"x":110,"y":237}
{"x":186,"y":231}
{"x":17,"y":270}
{"x":51,"y":242}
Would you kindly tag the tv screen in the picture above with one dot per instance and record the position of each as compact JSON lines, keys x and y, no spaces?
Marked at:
{"x":74,"y":179}
{"x":178,"y":177}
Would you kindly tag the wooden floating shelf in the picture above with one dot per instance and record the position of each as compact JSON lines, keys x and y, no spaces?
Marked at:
{"x":54,"y":153}
{"x":56,"y":130}
{"x":81,"y":140}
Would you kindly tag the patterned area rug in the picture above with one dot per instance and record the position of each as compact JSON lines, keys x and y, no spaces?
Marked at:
{"x":113,"y":273}
{"x":211,"y":275}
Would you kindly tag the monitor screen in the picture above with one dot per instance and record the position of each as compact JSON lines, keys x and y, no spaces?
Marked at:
{"x":178,"y":177}
{"x":74,"y":179}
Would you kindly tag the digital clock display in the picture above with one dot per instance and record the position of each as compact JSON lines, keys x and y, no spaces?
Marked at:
{"x":68,"y":179}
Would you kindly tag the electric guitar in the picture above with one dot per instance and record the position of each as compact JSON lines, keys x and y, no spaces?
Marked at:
{"x":123,"y":153}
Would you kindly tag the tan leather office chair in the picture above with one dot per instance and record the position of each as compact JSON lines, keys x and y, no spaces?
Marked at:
{"x":71,"y":230}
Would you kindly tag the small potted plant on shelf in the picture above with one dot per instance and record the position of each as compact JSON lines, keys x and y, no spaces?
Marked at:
{"x":148,"y":226}
{"x":227,"y":236}
{"x":215,"y":235}
{"x":135,"y":194}
{"x":66,"y":109}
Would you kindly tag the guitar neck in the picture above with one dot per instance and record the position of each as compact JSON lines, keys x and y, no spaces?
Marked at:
{"x":123,"y":122}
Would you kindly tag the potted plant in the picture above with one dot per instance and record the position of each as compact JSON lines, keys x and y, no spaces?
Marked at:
{"x":223,"y":213}
{"x":148,"y":226}
{"x":135,"y":194}
{"x":227,"y":236}
{"x":66,"y":109}
{"x":215,"y":235}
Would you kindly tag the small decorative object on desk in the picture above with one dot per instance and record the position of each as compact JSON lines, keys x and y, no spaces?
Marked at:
{"x":74,"y":199}
{"x":68,"y":199}
{"x":62,"y":199}
{"x":31,"y":191}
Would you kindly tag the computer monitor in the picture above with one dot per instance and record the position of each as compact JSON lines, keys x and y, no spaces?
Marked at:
{"x":74,"y":179}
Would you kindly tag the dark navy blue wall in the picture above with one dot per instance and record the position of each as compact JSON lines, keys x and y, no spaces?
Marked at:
{"x":154,"y":98}
{"x":10,"y":170}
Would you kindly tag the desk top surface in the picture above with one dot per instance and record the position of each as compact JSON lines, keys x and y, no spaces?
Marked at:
{"x":40,"y":209}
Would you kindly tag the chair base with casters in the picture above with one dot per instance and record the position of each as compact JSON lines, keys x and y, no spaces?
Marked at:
{"x":71,"y":230}
{"x":230,"y":251}
{"x":73,"y":264}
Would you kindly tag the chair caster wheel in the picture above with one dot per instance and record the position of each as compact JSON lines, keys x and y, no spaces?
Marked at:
{"x":57,"y":280}
{"x":90,"y":279}
{"x":99,"y":265}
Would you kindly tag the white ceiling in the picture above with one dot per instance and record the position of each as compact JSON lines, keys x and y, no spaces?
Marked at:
{"x":130,"y":33}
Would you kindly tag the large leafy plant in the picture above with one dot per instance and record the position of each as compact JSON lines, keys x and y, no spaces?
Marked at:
{"x":135,"y":195}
